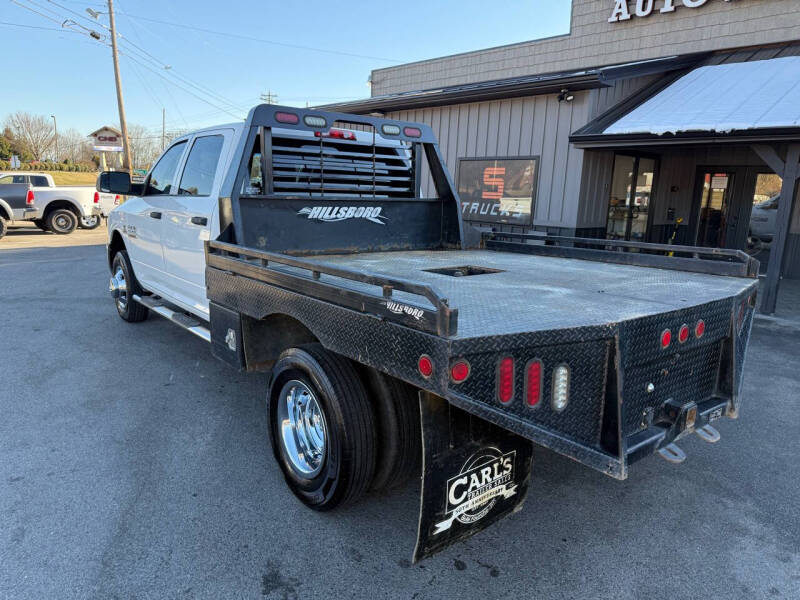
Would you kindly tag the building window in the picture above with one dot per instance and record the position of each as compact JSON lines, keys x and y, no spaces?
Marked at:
{"x":498,"y":190}
{"x":629,"y":202}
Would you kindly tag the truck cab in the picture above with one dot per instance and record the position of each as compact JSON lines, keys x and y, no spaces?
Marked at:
{"x":175,"y":212}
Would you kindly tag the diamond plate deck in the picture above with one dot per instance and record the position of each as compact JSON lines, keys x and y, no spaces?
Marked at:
{"x":538,"y":293}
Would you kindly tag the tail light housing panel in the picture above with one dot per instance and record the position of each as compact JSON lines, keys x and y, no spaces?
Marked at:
{"x":520,"y":383}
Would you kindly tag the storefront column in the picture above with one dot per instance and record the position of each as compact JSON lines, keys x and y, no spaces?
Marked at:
{"x":789,"y":174}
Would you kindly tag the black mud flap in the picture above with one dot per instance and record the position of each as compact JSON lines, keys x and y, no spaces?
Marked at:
{"x":474,"y":474}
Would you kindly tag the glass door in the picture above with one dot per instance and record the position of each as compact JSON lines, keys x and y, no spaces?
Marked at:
{"x":629,"y":203}
{"x":715,"y":200}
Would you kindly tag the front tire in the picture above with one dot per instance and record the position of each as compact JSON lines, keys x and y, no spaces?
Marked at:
{"x":62,"y":221}
{"x":124,"y":285}
{"x":321,"y":426}
{"x":90,"y":222}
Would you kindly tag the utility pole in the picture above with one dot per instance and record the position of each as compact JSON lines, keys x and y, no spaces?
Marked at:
{"x":269,"y":97}
{"x":163,"y":128}
{"x":126,"y":148}
{"x":55,"y":131}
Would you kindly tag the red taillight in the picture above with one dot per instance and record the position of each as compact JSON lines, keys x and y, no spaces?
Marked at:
{"x":29,"y":197}
{"x":683,"y":333}
{"x":533,"y":382}
{"x":287,"y":117}
{"x":459,"y":371}
{"x":666,"y":338}
{"x":339,"y":134}
{"x":505,"y":380}
{"x":414,"y":132}
{"x":425,"y":366}
{"x":97,"y":197}
{"x":700,"y":328}
{"x":117,"y":200}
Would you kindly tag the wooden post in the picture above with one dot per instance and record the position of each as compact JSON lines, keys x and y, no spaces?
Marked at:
{"x":126,"y":147}
{"x":791,"y":171}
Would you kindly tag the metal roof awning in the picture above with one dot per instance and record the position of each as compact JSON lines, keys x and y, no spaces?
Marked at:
{"x":514,"y":87}
{"x":732,"y":102}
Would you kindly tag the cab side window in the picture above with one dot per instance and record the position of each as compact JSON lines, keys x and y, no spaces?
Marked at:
{"x":162,"y":177}
{"x":39,"y":181}
{"x":201,"y":166}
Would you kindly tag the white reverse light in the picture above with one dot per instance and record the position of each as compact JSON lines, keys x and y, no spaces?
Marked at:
{"x":560,"y":387}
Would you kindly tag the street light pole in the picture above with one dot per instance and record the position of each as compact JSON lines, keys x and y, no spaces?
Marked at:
{"x":126,"y":149}
{"x":55,"y":130}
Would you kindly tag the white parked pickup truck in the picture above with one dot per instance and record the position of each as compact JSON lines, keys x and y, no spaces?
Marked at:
{"x":31,"y":196}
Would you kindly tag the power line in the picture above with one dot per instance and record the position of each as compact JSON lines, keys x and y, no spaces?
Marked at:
{"x":218,"y":97}
{"x":141,"y":64}
{"x":59,"y":29}
{"x":132,"y":58}
{"x":262,"y":40}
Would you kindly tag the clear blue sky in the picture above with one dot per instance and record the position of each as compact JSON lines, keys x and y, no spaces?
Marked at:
{"x":70,"y":75}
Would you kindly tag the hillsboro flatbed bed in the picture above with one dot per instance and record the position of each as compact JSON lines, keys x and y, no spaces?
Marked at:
{"x":383,"y":310}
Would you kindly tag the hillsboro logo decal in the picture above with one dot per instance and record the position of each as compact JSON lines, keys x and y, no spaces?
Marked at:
{"x":331,"y":214}
{"x":404,"y":309}
{"x":485,"y":476}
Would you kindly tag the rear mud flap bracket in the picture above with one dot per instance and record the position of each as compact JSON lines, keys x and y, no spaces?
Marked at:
{"x":473,"y":474}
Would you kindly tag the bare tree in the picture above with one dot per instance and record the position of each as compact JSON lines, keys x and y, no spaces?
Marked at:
{"x":74,"y":146}
{"x":145,"y":146}
{"x":35,"y":132}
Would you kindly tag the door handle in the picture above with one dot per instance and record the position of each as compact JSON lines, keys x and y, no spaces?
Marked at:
{"x":199,"y":221}
{"x":155,"y":215}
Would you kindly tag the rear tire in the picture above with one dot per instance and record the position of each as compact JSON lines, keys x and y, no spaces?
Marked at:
{"x":3,"y":227}
{"x":41,"y":224}
{"x":327,"y":453}
{"x":399,"y":432}
{"x":122,"y":271}
{"x":91,"y":222}
{"x":62,"y":221}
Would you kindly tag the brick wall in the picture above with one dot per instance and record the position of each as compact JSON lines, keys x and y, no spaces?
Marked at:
{"x":594,"y":41}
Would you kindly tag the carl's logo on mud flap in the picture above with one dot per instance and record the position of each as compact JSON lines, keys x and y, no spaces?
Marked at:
{"x":404,"y":309}
{"x":330,"y":214}
{"x":487,"y":475}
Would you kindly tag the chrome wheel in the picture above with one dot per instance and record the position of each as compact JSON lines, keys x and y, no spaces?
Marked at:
{"x":302,"y":428}
{"x":119,"y":288}
{"x":90,"y":222}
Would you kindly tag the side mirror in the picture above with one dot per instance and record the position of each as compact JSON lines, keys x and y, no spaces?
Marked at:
{"x":114,"y":182}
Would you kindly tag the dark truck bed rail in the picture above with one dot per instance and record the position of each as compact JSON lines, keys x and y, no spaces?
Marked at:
{"x":712,"y":261}
{"x":258,"y":264}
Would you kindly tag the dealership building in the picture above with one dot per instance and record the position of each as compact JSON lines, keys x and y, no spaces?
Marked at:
{"x":667,"y":121}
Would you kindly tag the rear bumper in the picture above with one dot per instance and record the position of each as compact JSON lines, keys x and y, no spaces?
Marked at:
{"x":628,"y":397}
{"x":27,"y":214}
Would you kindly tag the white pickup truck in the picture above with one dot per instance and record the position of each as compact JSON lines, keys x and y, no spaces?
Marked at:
{"x":31,"y":196}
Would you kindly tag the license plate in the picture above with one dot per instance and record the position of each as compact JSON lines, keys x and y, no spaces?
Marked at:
{"x":715,"y":414}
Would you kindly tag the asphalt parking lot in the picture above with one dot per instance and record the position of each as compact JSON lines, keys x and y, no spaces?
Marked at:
{"x":134,"y":465}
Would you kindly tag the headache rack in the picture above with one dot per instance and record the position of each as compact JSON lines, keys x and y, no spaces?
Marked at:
{"x":344,"y":166}
{"x":312,"y":182}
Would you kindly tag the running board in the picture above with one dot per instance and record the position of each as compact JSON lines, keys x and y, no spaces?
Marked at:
{"x":180,"y":319}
